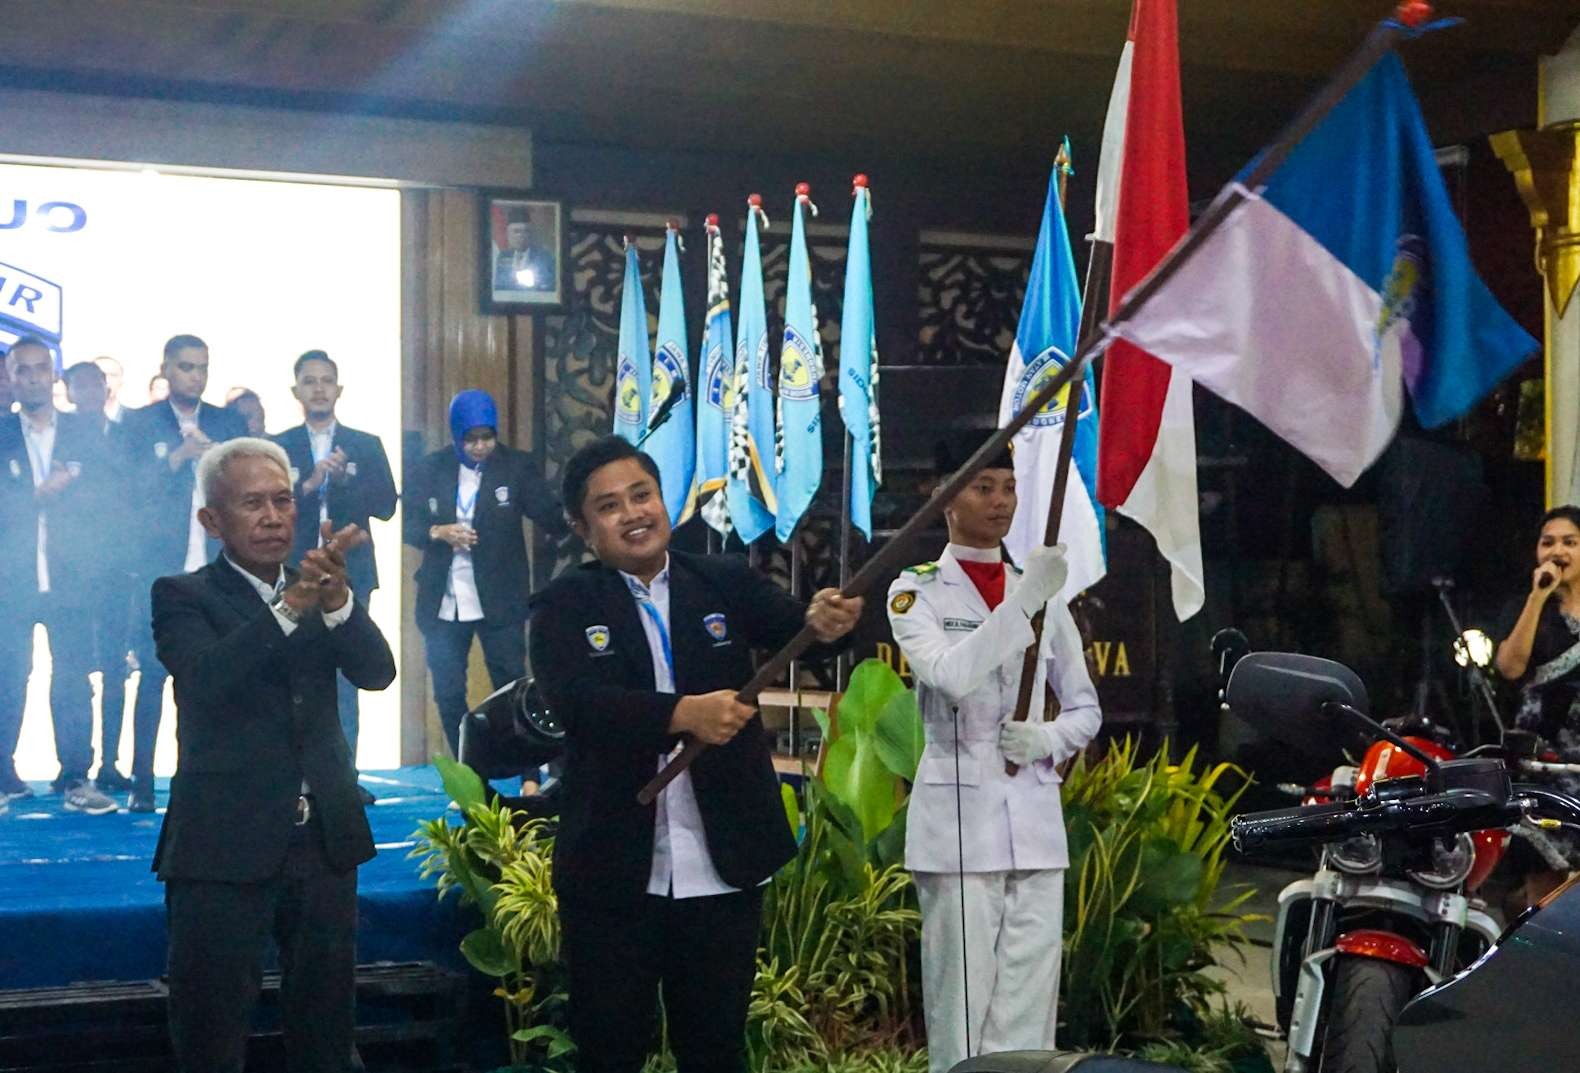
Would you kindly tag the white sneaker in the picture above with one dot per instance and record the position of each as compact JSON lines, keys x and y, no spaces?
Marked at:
{"x":85,"y":797}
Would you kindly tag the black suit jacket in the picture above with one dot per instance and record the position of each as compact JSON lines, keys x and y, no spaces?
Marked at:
{"x":166,"y":495}
{"x":591,"y":660}
{"x":511,"y":490}
{"x":257,"y":715}
{"x":84,"y":543}
{"x":368,"y":492}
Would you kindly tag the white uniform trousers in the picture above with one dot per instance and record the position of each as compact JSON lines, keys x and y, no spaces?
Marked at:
{"x":1014,"y":935}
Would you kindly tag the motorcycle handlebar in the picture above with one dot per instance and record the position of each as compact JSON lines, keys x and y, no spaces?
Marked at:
{"x":1439,"y":813}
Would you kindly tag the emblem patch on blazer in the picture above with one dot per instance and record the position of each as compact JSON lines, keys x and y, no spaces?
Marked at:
{"x":598,"y":638}
{"x":351,"y":469}
{"x":296,"y":475}
{"x":716,"y":626}
{"x":902,"y":602}
{"x":502,"y":494}
{"x":433,"y":505}
{"x":161,"y":449}
{"x":16,"y":470}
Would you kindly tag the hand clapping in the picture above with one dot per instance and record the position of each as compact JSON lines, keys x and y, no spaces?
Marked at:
{"x":322,"y":583}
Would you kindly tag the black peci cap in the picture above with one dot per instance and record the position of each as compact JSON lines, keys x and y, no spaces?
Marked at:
{"x":951,"y":453}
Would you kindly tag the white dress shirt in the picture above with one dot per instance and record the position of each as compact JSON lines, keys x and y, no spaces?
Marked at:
{"x":321,"y":444}
{"x":40,"y":455}
{"x":267,"y":593}
{"x":197,"y":537}
{"x":461,"y":602}
{"x":682,"y":866}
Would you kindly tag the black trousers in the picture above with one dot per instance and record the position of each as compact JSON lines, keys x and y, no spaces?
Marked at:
{"x":449,"y":643}
{"x":148,"y":706}
{"x":218,"y":936}
{"x":70,"y":693}
{"x":109,"y":638}
{"x":701,"y":951}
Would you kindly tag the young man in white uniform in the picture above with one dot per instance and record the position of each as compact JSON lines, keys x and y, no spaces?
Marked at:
{"x":964,"y":623}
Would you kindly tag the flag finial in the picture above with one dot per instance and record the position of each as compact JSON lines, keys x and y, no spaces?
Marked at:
{"x":859,"y":182}
{"x":672,"y":224}
{"x":803,"y":189}
{"x":713,"y":219}
{"x":1413,"y":13}
{"x":754,"y":200}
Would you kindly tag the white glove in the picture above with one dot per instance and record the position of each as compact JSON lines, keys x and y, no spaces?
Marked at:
{"x":1023,"y":743}
{"x":1041,"y":579}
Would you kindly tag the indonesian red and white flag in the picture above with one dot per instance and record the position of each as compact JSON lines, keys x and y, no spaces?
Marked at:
{"x":1147,"y":440}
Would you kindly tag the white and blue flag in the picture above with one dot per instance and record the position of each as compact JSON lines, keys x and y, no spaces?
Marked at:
{"x":671,"y":440}
{"x":800,"y":445}
{"x":633,"y":376}
{"x":750,"y":493}
{"x":1340,"y":285}
{"x":858,"y":366}
{"x":716,"y":392}
{"x":1050,"y":323}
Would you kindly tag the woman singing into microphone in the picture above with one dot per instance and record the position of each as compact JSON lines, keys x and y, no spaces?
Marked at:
{"x":1541,"y":655}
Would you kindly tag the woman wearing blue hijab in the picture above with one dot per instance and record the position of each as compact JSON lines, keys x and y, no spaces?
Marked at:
{"x":463,"y":510}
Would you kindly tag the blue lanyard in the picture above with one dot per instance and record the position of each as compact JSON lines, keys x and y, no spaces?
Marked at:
{"x":645,"y":601}
{"x":464,"y":508}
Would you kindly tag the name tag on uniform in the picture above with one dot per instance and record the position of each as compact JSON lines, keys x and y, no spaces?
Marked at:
{"x":966,"y":624}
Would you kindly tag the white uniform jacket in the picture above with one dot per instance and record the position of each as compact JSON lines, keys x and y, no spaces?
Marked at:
{"x":967,"y":666}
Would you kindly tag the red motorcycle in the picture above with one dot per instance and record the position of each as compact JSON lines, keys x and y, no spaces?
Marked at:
{"x":1385,"y":916}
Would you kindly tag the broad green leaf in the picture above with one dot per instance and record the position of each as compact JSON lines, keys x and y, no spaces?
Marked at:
{"x":463,"y":784}
{"x":897,"y":735}
{"x":1169,"y":877}
{"x":858,"y":778}
{"x":792,"y":809}
{"x":872,"y":684}
{"x":485,"y":951}
{"x":889,"y":847}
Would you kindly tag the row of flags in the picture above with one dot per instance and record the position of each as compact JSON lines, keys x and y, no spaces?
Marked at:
{"x":1317,"y":300}
{"x":748,"y":451}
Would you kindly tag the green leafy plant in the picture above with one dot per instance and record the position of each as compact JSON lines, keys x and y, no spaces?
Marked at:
{"x":1144,"y":916}
{"x":867,"y":767}
{"x":504,"y":870}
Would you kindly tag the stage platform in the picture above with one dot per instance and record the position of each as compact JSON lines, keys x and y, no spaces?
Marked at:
{"x":78,"y":902}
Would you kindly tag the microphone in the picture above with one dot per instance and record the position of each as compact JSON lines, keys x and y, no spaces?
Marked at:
{"x":1443,"y":583}
{"x":1546,"y":581}
{"x":677,"y":391}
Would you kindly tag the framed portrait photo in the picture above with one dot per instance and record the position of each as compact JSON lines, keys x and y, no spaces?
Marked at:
{"x":522,"y":247}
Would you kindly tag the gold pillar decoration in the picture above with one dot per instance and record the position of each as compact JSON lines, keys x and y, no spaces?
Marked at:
{"x":1544,"y":165}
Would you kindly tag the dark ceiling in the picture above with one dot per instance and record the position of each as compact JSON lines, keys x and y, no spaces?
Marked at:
{"x":913,"y":77}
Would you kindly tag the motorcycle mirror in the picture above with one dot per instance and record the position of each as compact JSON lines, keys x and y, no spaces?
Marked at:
{"x":1338,"y":711}
{"x":1283,"y":693}
{"x":1229,"y":646}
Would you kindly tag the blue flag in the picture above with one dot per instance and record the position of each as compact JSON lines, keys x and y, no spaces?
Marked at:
{"x":750,"y":492}
{"x":633,"y":377}
{"x":1340,"y":287}
{"x":858,"y":367}
{"x":671,"y":440}
{"x":716,"y":399}
{"x":799,"y":453}
{"x":1050,"y":322}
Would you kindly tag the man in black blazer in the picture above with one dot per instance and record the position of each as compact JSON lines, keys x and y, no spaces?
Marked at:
{"x":464,"y":509}
{"x":164,"y":442}
{"x":57,"y":470}
{"x":632,"y":653}
{"x":341,"y":476}
{"x":264,"y":829}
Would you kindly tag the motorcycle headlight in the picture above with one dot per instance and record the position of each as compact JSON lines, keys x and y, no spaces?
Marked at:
{"x":1360,"y":854}
{"x":1451,"y":863}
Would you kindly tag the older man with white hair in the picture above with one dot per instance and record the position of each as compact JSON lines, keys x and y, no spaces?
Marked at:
{"x":265,"y":829}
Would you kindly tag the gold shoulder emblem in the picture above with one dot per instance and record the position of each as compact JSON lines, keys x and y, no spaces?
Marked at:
{"x":902,"y":602}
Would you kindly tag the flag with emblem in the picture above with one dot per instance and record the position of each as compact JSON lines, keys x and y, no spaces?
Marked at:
{"x":633,"y":377}
{"x":716,"y":397}
{"x":750,"y":492}
{"x":858,"y":366}
{"x":1338,"y":287}
{"x":800,"y":445}
{"x":671,"y":440}
{"x":1147,"y":471}
{"x":1050,"y":321}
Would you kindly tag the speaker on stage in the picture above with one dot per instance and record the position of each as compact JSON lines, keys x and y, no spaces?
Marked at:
{"x":512,"y":732}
